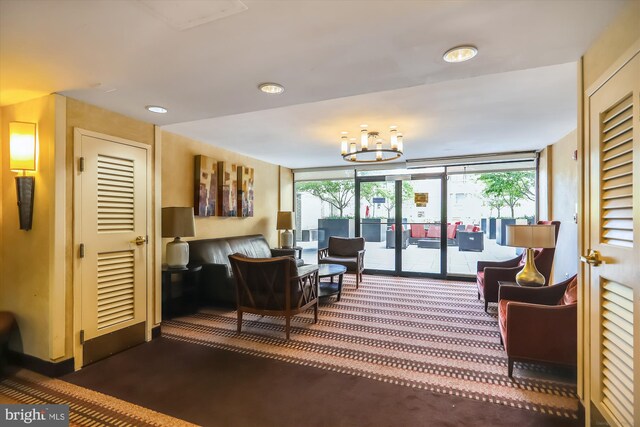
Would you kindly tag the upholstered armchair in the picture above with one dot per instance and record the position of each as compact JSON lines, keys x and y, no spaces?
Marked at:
{"x":489,"y":273}
{"x":345,"y":251}
{"x":274,"y":287}
{"x":539,"y":324}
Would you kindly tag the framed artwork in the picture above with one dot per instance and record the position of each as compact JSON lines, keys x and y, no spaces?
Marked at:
{"x":228,"y":188}
{"x":205,"y":186}
{"x":245,"y":191}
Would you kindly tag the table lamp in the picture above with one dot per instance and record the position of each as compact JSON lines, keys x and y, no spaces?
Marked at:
{"x":530,"y":237}
{"x":285,"y":222}
{"x":178,"y":222}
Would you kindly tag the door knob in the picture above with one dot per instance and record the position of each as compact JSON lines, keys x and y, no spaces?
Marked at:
{"x":592,"y":259}
{"x":140,"y":240}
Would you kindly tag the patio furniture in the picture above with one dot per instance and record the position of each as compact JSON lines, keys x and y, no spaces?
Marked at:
{"x":471,"y":241}
{"x":417,"y":232}
{"x":274,"y":287}
{"x":391,"y":237}
{"x":431,"y":239}
{"x":539,"y":324}
{"x":489,"y":273}
{"x":345,"y":251}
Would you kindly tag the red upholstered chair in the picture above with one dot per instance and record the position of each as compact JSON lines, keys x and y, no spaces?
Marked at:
{"x":540,"y":324}
{"x":489,"y":273}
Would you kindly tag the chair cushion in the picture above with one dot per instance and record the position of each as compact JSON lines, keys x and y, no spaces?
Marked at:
{"x":349,"y":262}
{"x":502,"y":319}
{"x":480,"y":278}
{"x":570,"y":294}
{"x":433,"y":231}
{"x":417,"y":231}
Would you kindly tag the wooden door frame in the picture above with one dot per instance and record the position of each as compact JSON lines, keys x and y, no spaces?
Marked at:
{"x":584,"y":222}
{"x":78,"y":133}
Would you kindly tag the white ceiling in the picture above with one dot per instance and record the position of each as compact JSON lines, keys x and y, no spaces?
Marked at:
{"x":342,"y":62}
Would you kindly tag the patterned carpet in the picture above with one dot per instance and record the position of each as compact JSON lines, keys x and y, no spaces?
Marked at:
{"x":86,"y":407}
{"x":420,"y":333}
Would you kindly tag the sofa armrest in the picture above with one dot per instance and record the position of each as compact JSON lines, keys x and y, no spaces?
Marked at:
{"x":283,"y":252}
{"x":546,"y":295}
{"x":500,"y":264}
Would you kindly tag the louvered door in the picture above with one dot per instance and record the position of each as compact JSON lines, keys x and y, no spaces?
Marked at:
{"x":614,"y":144}
{"x":113,"y":213}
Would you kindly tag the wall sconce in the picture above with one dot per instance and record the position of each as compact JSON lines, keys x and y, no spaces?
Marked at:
{"x":22,"y":157}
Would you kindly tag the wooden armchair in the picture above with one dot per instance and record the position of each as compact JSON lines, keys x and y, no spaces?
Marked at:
{"x":489,"y":273}
{"x":348,"y":252}
{"x":274,"y":287}
{"x":540,"y":324}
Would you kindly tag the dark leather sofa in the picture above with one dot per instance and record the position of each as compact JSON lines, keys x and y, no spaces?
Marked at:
{"x":216,"y":280}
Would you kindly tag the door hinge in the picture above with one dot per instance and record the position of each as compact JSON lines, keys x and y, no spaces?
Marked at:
{"x":81,"y":164}
{"x":82,"y":336}
{"x":81,"y":250}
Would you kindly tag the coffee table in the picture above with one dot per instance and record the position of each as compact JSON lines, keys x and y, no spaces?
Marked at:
{"x":330,"y":288}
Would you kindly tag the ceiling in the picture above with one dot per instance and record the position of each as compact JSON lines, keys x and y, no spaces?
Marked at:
{"x":342,"y":63}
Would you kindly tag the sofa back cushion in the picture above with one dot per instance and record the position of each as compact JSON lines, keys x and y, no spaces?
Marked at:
{"x":217,"y":251}
{"x":343,"y":246}
{"x":417,"y":231}
{"x":433,"y":232}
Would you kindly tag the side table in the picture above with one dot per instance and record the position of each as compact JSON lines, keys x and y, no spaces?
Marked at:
{"x":188,"y":285}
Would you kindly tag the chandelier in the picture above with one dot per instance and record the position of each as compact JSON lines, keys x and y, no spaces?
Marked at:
{"x":372,"y":147}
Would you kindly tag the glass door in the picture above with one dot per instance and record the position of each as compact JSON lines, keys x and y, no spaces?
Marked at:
{"x":423,"y":234}
{"x":401,"y":219}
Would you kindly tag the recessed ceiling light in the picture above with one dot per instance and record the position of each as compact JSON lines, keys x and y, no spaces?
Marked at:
{"x":271,"y":88}
{"x":156,"y":109}
{"x":460,"y":53}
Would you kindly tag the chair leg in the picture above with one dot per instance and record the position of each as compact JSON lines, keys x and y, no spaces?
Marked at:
{"x":510,"y":363}
{"x":478,"y":295}
{"x":287,"y":326}
{"x":501,"y":342}
{"x":486,"y":306}
{"x":239,"y":321}
{"x":357,"y":280}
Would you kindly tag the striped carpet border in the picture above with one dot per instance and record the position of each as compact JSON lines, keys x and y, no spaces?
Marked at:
{"x":426,"y":334}
{"x":86,"y":407}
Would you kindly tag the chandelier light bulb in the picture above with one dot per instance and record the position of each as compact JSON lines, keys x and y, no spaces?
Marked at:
{"x":400,"y":144}
{"x":364,"y":140}
{"x":353,"y":148}
{"x":394,"y":139}
{"x":344,"y":145}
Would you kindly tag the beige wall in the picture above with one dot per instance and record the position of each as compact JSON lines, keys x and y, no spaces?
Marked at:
{"x":177,"y":188}
{"x":544,"y":184}
{"x":564,"y":198}
{"x":612,"y":43}
{"x":25,"y":256}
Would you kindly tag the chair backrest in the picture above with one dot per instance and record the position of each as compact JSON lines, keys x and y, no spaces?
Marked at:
{"x":263,"y":283}
{"x":345,"y":246}
{"x":451,"y":231}
{"x":544,"y":256}
{"x":417,"y":231}
{"x":433,"y":232}
{"x":469,"y":227}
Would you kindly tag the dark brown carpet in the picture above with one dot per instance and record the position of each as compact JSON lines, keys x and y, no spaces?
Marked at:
{"x":215,"y":387}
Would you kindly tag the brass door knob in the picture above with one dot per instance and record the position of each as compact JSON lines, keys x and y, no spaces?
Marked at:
{"x":592,"y":259}
{"x":140,"y":240}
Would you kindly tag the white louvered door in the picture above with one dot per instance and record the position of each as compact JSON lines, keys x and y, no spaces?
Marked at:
{"x":614,"y":194}
{"x":113,"y":215}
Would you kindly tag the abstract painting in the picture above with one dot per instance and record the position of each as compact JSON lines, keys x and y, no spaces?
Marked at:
{"x":228,"y":182}
{"x":205,"y":186}
{"x":245,"y":191}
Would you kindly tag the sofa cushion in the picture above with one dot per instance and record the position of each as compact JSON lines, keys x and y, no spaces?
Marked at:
{"x":417,"y":231}
{"x":349,"y":262}
{"x":433,"y":232}
{"x":571,"y":293}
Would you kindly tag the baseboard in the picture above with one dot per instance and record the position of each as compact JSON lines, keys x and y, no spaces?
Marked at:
{"x":44,"y":367}
{"x":156,"y":332}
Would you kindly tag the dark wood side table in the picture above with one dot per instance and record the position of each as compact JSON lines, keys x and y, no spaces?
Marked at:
{"x":182,"y":295}
{"x":298,"y":250}
{"x":501,"y":283}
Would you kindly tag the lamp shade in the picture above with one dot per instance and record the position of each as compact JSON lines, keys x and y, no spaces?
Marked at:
{"x":22,"y":146}
{"x":285,"y":220}
{"x":531,"y":236}
{"x":178,"y":222}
